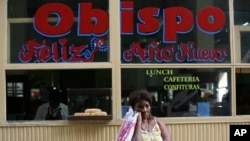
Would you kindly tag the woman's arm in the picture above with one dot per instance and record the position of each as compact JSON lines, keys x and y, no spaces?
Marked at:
{"x":137,"y":132}
{"x":164,"y":131}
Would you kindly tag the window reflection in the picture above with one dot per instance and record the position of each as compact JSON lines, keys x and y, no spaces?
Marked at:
{"x":15,"y":89}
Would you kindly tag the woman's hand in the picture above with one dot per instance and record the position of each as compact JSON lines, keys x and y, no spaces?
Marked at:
{"x":139,"y":119}
{"x":137,"y":132}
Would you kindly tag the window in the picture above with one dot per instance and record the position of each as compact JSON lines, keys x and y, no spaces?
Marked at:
{"x":182,"y":92}
{"x":180,"y":31}
{"x":16,"y":95}
{"x":80,"y":100}
{"x":173,"y":44}
{"x":242,"y":32}
{"x":58,"y":31}
{"x":242,"y":89}
{"x":59,"y":34}
{"x":242,"y":71}
{"x":39,"y":82}
{"x":15,"y":89}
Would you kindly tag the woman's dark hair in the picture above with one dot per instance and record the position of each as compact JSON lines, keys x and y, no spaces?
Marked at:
{"x":137,"y":95}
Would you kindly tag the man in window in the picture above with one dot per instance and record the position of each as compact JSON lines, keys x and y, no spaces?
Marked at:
{"x":54,"y":109}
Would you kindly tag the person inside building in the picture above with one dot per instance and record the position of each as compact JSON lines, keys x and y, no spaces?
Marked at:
{"x":148,"y":127}
{"x":54,"y":109}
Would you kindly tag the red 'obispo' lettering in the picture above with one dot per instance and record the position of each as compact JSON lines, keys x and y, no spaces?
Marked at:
{"x":209,"y":20}
{"x":90,"y":21}
{"x":63,"y":25}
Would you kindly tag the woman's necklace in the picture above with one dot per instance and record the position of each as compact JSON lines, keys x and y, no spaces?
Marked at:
{"x":146,"y":126}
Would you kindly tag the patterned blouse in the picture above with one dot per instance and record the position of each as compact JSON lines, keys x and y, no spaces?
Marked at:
{"x":153,"y":135}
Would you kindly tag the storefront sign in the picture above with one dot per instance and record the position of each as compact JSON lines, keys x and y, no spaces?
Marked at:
{"x":95,"y":22}
{"x":173,"y":81}
{"x":183,"y":52}
{"x":209,"y":20}
{"x":91,"y":23}
{"x":59,"y":52}
{"x":176,"y":20}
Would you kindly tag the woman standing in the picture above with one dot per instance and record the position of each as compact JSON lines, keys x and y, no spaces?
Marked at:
{"x":148,"y":127}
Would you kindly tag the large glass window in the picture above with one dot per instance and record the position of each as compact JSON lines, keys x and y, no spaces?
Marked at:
{"x":242,"y":30}
{"x":58,"y":31}
{"x":28,"y":89}
{"x":175,"y":31}
{"x":182,"y":92}
{"x":242,"y":54}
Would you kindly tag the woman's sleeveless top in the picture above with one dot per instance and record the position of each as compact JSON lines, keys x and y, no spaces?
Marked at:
{"x":153,"y":135}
